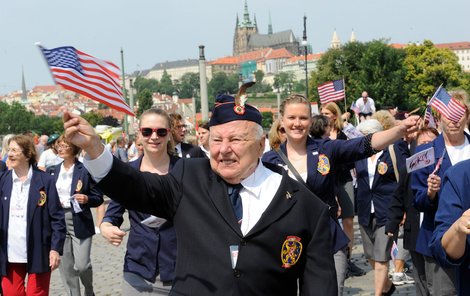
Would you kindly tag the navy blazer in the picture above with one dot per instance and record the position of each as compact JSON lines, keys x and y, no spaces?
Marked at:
{"x":150,"y":251}
{"x":45,"y":229}
{"x":337,"y":152}
{"x":419,"y":185}
{"x":383,"y":185}
{"x":456,"y":201}
{"x":191,"y":151}
{"x":83,"y":224}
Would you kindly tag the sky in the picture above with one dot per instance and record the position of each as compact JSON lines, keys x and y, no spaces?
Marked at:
{"x":153,"y":31}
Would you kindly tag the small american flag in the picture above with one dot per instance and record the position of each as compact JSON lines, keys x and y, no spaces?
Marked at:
{"x":429,"y":118}
{"x":355,"y":108}
{"x":449,"y":107}
{"x":79,"y":72}
{"x":394,"y":250}
{"x":331,"y":91}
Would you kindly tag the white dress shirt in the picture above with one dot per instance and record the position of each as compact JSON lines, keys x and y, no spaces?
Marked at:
{"x":258,"y":189}
{"x":368,"y":107}
{"x":372,"y":168}
{"x":17,"y":244}
{"x":64,"y":185}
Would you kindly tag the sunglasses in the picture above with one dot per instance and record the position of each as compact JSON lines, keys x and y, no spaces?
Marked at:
{"x":148,"y":131}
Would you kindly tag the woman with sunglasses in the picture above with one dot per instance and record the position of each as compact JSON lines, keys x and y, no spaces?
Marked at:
{"x":151,"y":246}
{"x":32,"y":227}
{"x":316,"y":161}
{"x":77,"y":194}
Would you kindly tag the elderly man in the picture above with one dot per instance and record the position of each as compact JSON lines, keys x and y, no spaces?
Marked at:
{"x":268,"y":236}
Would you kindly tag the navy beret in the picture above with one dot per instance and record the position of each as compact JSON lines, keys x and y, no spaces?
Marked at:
{"x":225,"y":110}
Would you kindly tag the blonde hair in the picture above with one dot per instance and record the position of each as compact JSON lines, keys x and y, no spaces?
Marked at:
{"x":170,"y":147}
{"x":333,"y":108}
{"x":385,"y":118}
{"x":273,"y":135}
{"x":294,"y":99}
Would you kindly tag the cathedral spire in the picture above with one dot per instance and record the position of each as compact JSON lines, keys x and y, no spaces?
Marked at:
{"x":353,"y":36}
{"x":246,"y":16}
{"x":238,"y":22}
{"x":335,"y":42}
{"x":24,"y":94}
{"x":254,"y":22}
{"x":270,"y":25}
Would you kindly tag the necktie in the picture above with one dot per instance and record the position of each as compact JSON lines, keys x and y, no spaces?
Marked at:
{"x":236,"y":201}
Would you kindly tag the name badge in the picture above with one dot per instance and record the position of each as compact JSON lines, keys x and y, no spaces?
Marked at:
{"x":234,"y":255}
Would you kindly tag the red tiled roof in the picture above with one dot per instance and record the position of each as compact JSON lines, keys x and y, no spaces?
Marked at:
{"x":454,"y":45}
{"x":46,"y":88}
{"x":398,"y":45}
{"x":278,"y":54}
{"x":225,"y":61}
{"x":254,"y":55}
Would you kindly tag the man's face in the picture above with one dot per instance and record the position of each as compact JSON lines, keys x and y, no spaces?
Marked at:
{"x":365,"y":95}
{"x":235,"y":149}
{"x":179,"y":131}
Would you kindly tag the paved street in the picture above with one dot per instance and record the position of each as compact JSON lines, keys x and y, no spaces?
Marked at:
{"x":107,"y":263}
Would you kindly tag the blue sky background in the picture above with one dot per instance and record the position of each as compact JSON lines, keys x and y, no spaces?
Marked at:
{"x":151,"y":31}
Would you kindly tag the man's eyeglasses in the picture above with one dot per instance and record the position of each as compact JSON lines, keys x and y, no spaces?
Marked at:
{"x":148,"y":131}
{"x":181,"y":126}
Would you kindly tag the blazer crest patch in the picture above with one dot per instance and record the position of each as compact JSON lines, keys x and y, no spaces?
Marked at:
{"x":42,"y":198}
{"x":291,"y":250}
{"x":323,"y":166}
{"x":79,"y":186}
{"x":382,"y":168}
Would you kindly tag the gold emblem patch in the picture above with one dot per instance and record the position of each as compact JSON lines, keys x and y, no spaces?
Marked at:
{"x":382,"y":168}
{"x":240,"y":110}
{"x":79,"y":186}
{"x":323,"y":166}
{"x":291,"y":250}
{"x":42,"y":198}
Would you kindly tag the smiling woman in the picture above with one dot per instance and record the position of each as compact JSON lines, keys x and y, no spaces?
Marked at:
{"x":33,"y":226}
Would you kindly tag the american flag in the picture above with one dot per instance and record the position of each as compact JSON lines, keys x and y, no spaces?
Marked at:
{"x":355,"y":108}
{"x":394,"y":250}
{"x":331,"y":91}
{"x":82,"y":73}
{"x":429,"y":118}
{"x":449,"y":107}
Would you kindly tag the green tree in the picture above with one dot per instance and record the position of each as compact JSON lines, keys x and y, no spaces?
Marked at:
{"x":145,"y":101}
{"x":428,"y":67}
{"x":93,"y":117}
{"x":166,"y":84}
{"x":267,"y":119}
{"x":46,"y":125}
{"x":373,"y":66}
{"x":142,"y":83}
{"x":221,"y":84}
{"x":284,"y":81}
{"x":188,"y":86}
{"x":15,"y":119}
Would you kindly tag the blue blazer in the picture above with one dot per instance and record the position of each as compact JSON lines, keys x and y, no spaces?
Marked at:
{"x":83,"y":224}
{"x":455,"y":202}
{"x":422,"y":203}
{"x":383,"y":185}
{"x":337,"y":153}
{"x":45,"y":229}
{"x":150,"y":251}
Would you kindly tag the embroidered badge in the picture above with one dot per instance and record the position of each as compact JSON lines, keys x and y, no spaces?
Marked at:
{"x":79,"y":186}
{"x":42,"y":198}
{"x":323,"y":166}
{"x":382,"y":168}
{"x":291,"y":250}
{"x":240,"y":110}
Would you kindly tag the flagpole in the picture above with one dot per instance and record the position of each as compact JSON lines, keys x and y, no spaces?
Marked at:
{"x":124,"y":92}
{"x":345,"y":104}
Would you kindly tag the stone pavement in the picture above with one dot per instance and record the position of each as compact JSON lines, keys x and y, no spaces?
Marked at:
{"x":107,"y":261}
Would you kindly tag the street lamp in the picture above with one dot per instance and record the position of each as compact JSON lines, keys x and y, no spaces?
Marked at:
{"x":304,"y":44}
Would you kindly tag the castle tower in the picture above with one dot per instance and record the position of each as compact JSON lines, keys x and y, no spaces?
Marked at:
{"x":243,"y":32}
{"x":353,"y":37}
{"x":335,"y":42}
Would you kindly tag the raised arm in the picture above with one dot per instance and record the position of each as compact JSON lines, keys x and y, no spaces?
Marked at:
{"x":381,"y":140}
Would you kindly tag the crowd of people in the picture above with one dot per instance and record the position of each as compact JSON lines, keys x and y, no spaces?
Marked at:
{"x":276,"y":220}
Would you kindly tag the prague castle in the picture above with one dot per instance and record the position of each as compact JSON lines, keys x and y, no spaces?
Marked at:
{"x":247,"y":37}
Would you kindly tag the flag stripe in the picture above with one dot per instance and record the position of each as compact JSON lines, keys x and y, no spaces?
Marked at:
{"x":84,"y":74}
{"x":449,"y":107}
